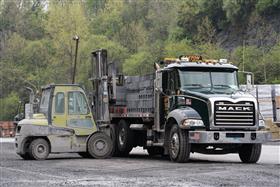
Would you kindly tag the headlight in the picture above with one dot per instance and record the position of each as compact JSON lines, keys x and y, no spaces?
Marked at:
{"x":261,"y":123}
{"x":192,"y":123}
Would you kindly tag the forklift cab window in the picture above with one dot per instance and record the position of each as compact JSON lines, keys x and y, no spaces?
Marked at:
{"x":77,"y":103}
{"x":59,"y":103}
{"x":44,"y":104}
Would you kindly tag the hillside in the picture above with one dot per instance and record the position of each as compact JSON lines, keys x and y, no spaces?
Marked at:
{"x":255,"y":32}
{"x":37,"y":47}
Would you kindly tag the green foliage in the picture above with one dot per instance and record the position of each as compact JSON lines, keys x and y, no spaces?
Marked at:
{"x":139,"y":63}
{"x":268,"y":6}
{"x":8,"y":107}
{"x":37,"y":46}
{"x":205,"y":31}
{"x":237,"y":10}
{"x":272,"y":63}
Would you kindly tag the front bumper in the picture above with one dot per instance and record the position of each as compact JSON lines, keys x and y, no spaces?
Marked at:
{"x":228,"y":137}
{"x":19,"y":143}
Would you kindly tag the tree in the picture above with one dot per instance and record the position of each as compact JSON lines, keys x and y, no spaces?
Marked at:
{"x":237,"y":10}
{"x":205,"y":32}
{"x":140,"y":63}
{"x":8,"y":107}
{"x":65,"y":19}
{"x":268,"y":6}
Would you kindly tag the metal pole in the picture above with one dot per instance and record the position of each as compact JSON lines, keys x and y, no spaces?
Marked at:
{"x":243,"y":55}
{"x":76,"y":38}
{"x":273,"y":99}
{"x":257,"y":97}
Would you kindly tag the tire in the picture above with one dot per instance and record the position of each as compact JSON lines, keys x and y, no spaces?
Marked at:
{"x":100,"y":146}
{"x":250,"y":153}
{"x":113,"y":135}
{"x":39,"y":149}
{"x":85,"y":154}
{"x":178,"y":145}
{"x":153,"y":151}
{"x":124,"y":138}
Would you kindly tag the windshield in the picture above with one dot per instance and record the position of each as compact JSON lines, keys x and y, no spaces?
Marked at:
{"x":45,"y":101}
{"x":209,"y":82}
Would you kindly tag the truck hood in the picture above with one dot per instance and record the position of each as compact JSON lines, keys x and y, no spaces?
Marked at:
{"x":233,"y":96}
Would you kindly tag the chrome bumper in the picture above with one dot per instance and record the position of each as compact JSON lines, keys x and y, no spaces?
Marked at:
{"x":228,"y":137}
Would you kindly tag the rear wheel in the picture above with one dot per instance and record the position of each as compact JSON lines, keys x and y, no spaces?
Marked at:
{"x":179,"y":146}
{"x":100,"y":145}
{"x":250,"y":153}
{"x":124,"y":138}
{"x":39,"y":149}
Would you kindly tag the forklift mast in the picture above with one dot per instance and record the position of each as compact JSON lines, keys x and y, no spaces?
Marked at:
{"x":100,"y":84}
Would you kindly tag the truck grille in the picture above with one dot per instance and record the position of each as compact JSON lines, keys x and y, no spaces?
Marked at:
{"x":234,"y":114}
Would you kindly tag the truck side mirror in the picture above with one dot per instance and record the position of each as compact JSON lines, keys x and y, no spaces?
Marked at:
{"x":246,"y":79}
{"x":249,"y":81}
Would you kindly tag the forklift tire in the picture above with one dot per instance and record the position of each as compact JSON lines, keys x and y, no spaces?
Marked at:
{"x":153,"y":151}
{"x":85,"y":154}
{"x":250,"y":153}
{"x":100,"y":145}
{"x":124,"y":138}
{"x":39,"y":149}
{"x":179,"y":146}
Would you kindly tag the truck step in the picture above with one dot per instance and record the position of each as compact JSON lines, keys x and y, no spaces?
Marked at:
{"x":138,"y":127}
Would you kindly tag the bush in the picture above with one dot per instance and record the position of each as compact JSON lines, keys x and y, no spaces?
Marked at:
{"x":8,"y":107}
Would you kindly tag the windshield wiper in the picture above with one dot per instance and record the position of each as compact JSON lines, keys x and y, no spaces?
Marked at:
{"x":222,"y":86}
{"x":194,"y":85}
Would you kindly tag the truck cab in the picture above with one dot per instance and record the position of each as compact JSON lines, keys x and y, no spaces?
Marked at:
{"x":205,"y":111}
{"x":63,"y":123}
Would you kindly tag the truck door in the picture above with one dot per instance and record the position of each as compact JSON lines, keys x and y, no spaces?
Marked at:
{"x":70,"y":110}
{"x":79,"y":116}
{"x":62,"y":143}
{"x":58,"y":111}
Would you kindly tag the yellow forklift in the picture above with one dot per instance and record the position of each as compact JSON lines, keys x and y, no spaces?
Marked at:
{"x":64,"y":122}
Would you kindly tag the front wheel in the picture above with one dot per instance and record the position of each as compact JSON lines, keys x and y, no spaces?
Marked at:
{"x":179,"y":146}
{"x":100,"y":145}
{"x":39,"y":149}
{"x":250,"y":153}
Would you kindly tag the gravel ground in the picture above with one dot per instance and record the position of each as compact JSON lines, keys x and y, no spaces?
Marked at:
{"x":139,"y":170}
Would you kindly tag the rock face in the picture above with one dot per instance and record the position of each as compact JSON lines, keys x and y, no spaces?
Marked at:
{"x":259,"y":31}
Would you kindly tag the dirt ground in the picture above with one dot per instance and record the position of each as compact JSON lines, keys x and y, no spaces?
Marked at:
{"x":139,"y":170}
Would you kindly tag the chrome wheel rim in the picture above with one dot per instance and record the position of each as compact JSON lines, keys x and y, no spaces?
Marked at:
{"x":122,"y":137}
{"x":100,"y":145}
{"x":174,"y":144}
{"x":41,"y":149}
